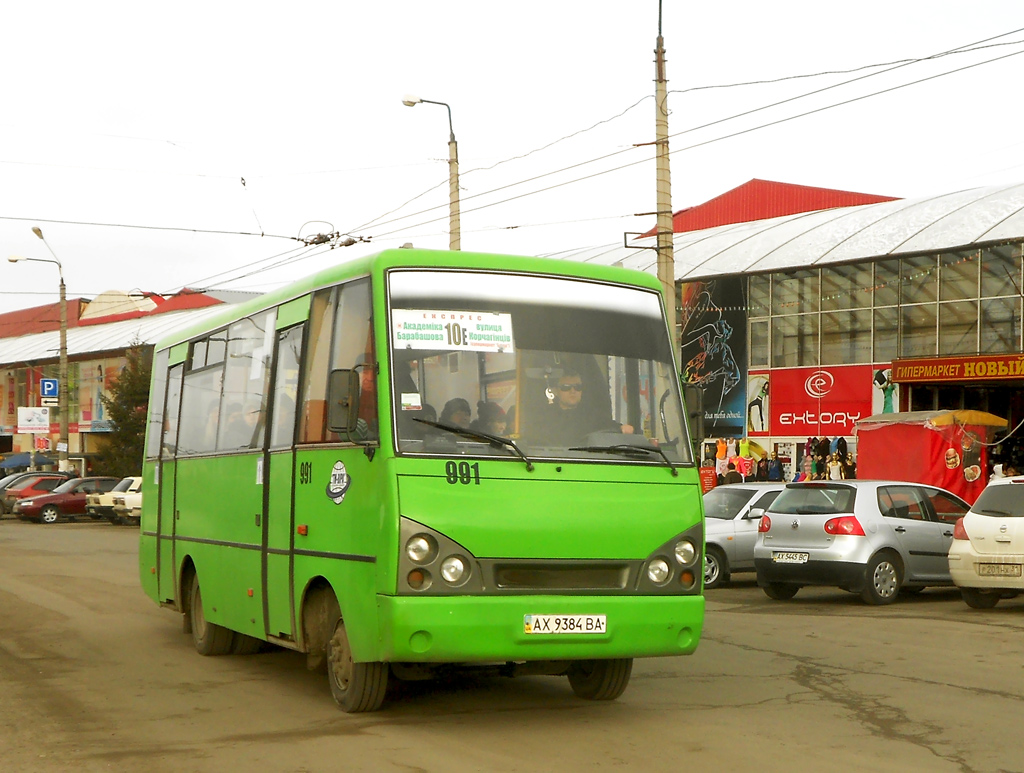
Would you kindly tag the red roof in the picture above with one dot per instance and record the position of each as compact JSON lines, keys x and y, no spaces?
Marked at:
{"x":42,"y":319}
{"x":763,"y":199}
{"x":39,"y":319}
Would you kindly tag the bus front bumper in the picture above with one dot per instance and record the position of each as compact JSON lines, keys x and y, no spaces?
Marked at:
{"x":469,"y":629}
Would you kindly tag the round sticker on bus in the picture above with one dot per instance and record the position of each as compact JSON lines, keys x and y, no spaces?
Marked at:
{"x":340,"y":481}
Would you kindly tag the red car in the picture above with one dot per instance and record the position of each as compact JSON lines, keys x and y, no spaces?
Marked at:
{"x":30,"y":484}
{"x":67,"y":500}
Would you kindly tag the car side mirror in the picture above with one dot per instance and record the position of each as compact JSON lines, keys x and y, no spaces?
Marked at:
{"x":343,"y":400}
{"x":754,"y":514}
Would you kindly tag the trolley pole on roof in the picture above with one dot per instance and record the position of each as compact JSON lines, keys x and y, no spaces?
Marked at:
{"x":666,"y":258}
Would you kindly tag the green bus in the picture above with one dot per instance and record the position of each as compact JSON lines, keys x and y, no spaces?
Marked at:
{"x":423,"y":460}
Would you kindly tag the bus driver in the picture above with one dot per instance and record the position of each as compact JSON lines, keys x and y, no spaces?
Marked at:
{"x":567,"y":423}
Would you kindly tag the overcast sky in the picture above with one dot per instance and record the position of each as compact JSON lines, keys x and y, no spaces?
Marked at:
{"x":151,"y":115}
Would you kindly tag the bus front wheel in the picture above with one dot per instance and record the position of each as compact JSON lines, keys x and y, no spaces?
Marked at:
{"x":355,"y":686}
{"x":600,"y":680}
{"x":209,"y":638}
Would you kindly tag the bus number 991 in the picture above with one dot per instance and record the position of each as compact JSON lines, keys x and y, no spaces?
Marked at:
{"x":462,"y":472}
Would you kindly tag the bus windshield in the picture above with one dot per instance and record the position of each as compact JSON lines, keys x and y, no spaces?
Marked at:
{"x":565,"y":368}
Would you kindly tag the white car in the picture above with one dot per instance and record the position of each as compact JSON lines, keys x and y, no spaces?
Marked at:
{"x":987,"y":552}
{"x":731,"y":515}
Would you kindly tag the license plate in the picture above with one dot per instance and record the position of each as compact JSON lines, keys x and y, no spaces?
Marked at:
{"x":565,"y":624}
{"x":999,"y":570}
{"x":789,"y":558}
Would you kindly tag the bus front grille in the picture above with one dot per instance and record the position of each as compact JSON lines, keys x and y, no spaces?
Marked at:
{"x":559,"y":576}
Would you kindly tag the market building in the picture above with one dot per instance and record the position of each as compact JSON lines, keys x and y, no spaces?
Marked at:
{"x":99,"y":332}
{"x":802,"y":310}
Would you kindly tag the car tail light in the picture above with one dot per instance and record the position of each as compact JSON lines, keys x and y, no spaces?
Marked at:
{"x":959,"y":532}
{"x":765,"y":524}
{"x":846,"y":524}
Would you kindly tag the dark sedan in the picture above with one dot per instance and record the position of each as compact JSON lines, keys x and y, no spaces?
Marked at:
{"x":65,"y":501}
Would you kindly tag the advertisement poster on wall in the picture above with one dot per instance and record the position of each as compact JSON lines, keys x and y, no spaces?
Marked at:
{"x":758,"y":405}
{"x":714,"y":351}
{"x":820,"y":401}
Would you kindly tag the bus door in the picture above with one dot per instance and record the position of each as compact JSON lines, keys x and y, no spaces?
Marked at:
{"x":278,"y":611}
{"x":166,"y":467}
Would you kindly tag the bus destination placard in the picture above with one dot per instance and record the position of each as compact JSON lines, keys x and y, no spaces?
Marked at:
{"x":477,"y":331}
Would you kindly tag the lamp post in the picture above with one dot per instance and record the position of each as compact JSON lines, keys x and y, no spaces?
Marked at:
{"x":62,"y":393}
{"x":454,"y":239}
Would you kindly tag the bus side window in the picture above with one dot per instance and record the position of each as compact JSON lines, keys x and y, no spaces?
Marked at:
{"x":341,"y":337}
{"x":286,"y":382}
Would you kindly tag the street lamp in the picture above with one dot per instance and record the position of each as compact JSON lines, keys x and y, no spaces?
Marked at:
{"x":454,"y":239}
{"x":62,"y":393}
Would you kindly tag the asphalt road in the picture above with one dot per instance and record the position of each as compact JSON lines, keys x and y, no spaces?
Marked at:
{"x":95,"y":677}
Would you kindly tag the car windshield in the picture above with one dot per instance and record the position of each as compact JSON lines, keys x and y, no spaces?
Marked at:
{"x":1004,"y":500}
{"x":559,"y":367}
{"x":66,"y":486}
{"x":124,"y":484}
{"x":7,"y":480}
{"x":726,"y":501}
{"x":814,"y":499}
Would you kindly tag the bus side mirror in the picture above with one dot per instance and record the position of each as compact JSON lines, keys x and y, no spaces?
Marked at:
{"x":343,"y":400}
{"x":693,"y":399}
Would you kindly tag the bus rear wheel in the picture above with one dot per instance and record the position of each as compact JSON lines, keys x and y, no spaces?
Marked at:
{"x":600,"y":680}
{"x":355,"y":686}
{"x":208,"y":638}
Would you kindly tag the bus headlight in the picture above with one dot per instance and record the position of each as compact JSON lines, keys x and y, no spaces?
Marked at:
{"x":453,"y":570}
{"x":658,"y":571}
{"x":421,"y":549}
{"x":686,"y":553}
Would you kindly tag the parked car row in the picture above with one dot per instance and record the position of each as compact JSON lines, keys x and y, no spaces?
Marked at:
{"x":874,"y":538}
{"x":47,"y":497}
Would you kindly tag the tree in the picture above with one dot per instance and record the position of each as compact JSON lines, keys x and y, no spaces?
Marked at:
{"x":126,"y":406}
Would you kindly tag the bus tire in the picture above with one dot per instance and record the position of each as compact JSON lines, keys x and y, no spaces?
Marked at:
{"x":356,"y":687}
{"x":208,"y":638}
{"x":600,"y":680}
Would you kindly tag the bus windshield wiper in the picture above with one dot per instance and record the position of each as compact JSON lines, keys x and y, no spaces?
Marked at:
{"x":625,"y":449}
{"x":495,"y":440}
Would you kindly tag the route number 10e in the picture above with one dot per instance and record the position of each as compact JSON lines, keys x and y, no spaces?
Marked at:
{"x":462,"y":472}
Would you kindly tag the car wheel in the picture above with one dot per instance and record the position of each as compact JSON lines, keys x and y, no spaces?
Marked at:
{"x":600,"y":680}
{"x":979,"y":599}
{"x":882,"y":580}
{"x":716,"y":568}
{"x":355,"y":686}
{"x":780,"y":591}
{"x":208,"y":638}
{"x":49,"y":514}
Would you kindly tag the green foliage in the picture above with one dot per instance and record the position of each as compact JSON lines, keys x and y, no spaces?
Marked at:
{"x":126,"y":407}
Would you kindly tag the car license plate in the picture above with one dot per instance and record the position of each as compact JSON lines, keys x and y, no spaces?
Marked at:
{"x":999,"y":570}
{"x":565,"y":624}
{"x":789,"y":558}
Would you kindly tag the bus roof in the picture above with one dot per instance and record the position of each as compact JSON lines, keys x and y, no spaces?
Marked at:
{"x":412,"y":258}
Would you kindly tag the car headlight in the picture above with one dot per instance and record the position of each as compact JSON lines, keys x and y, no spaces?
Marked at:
{"x":658,"y":571}
{"x":25,"y":502}
{"x":421,"y":548}
{"x":686,"y":552}
{"x":453,"y":570}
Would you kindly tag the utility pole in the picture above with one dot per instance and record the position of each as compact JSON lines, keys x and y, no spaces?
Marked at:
{"x":666,"y":258}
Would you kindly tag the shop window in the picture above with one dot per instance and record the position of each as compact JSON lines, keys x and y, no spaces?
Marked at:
{"x":846,"y":287}
{"x":759,"y":287}
{"x":1000,"y":325}
{"x":958,"y":327}
{"x":918,"y":279}
{"x":887,"y":283}
{"x":846,"y":337}
{"x":958,"y":275}
{"x":794,"y":341}
{"x":917,"y":330}
{"x":759,"y":344}
{"x":886,"y":334}
{"x":1001,"y":271}
{"x":795,"y":292}
{"x":922,"y":398}
{"x":949,"y":398}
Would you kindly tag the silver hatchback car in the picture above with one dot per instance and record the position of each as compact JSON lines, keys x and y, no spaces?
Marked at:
{"x":731,"y":516}
{"x":865,"y":536}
